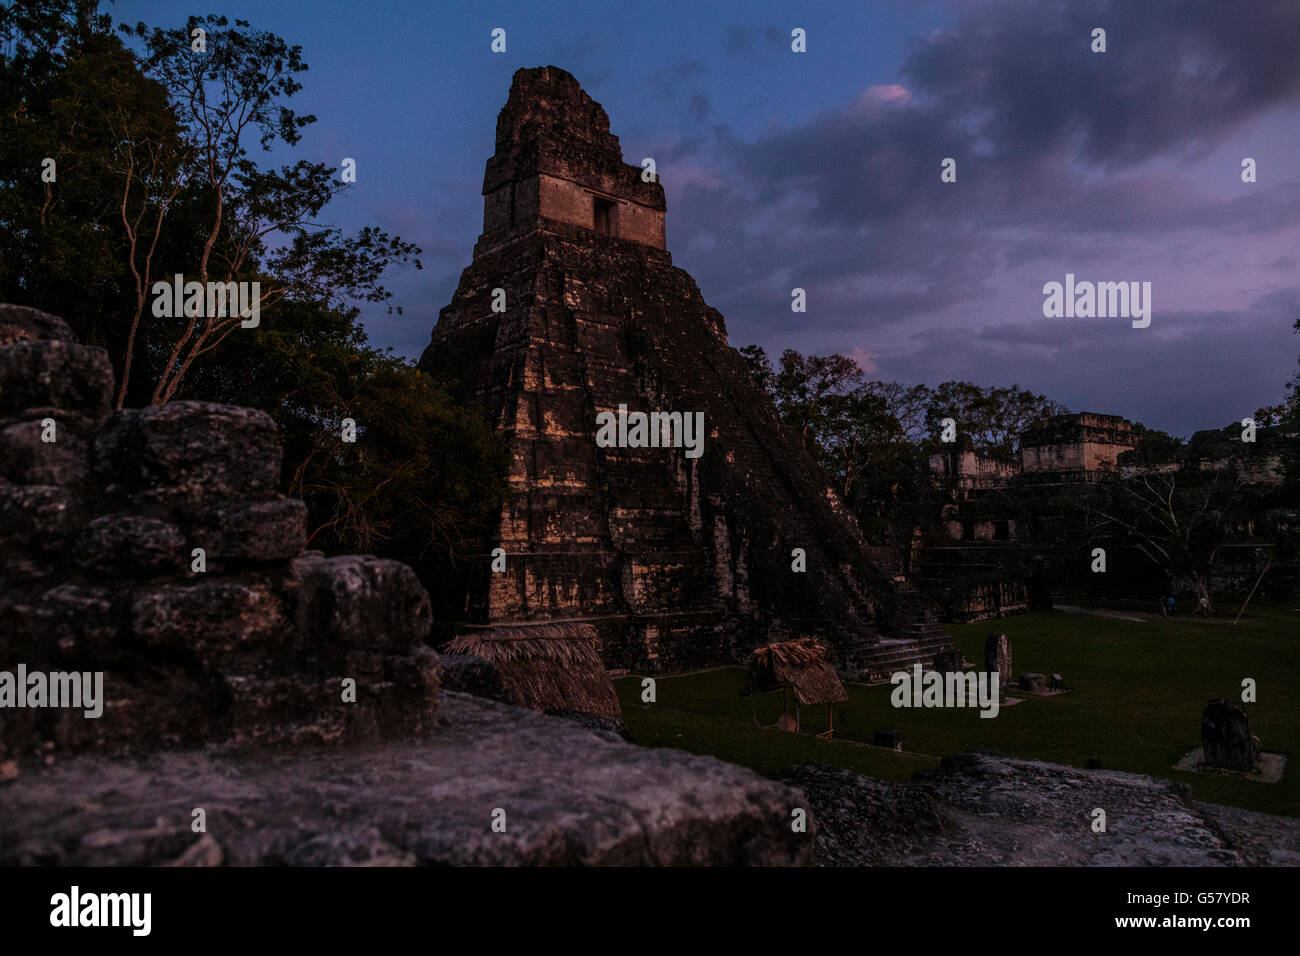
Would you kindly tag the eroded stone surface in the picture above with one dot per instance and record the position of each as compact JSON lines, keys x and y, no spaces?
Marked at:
{"x":362,"y":601}
{"x":127,"y":544}
{"x":36,"y":524}
{"x":571,"y":797}
{"x":222,"y":623}
{"x":990,"y":810}
{"x":27,"y":459}
{"x":250,"y":530}
{"x":43,"y":373}
{"x":192,"y":452}
{"x":21,"y":323}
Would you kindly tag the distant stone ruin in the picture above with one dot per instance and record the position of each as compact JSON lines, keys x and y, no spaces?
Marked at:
{"x":151,"y":547}
{"x":1075,"y":447}
{"x":572,"y":309}
{"x":1006,"y":537}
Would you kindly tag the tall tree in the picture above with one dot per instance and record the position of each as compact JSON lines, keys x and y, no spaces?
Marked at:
{"x":864,"y":434}
{"x":759,"y":366}
{"x":230,"y":92}
{"x":992,"y":417}
{"x":906,"y":404}
{"x":1289,"y":421}
{"x":1174,"y":511}
{"x":814,"y":392}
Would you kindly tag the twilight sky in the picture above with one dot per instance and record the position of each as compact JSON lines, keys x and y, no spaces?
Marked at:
{"x":822,"y":170}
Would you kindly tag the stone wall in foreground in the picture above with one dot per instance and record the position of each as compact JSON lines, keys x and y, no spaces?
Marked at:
{"x":101,"y":516}
{"x":570,"y":797}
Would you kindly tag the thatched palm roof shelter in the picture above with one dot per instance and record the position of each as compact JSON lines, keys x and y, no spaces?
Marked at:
{"x":546,"y":666}
{"x":800,"y":665}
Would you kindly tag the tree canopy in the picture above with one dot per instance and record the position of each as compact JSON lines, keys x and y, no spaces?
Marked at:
{"x":130,"y":154}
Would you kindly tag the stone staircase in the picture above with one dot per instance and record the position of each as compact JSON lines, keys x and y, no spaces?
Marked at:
{"x":870,"y":662}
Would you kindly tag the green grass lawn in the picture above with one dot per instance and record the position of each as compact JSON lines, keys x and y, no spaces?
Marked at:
{"x":1136,"y":693}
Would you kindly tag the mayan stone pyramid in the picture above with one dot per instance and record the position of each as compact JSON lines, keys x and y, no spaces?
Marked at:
{"x":676,"y":560}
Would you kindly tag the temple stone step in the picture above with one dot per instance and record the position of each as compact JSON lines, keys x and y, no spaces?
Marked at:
{"x":890,"y":656}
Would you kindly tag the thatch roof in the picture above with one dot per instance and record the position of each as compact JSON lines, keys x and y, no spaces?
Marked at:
{"x":801,"y":665}
{"x":546,"y":666}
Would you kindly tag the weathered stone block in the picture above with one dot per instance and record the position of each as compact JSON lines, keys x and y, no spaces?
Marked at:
{"x":20,"y":733}
{"x":470,"y":674}
{"x":26,"y":459}
{"x":15,"y":635}
{"x":20,"y":323}
{"x":79,"y":624}
{"x":1033,"y":682}
{"x":361,"y":602}
{"x":989,"y":810}
{"x":153,"y":707}
{"x":35,"y":524}
{"x":52,"y":374}
{"x":364,"y":665}
{"x":250,"y":530}
{"x":126,"y":544}
{"x":189,"y":453}
{"x":1226,"y":737}
{"x":176,"y":477}
{"x":287,"y":711}
{"x":615,"y":727}
{"x":226,"y":624}
{"x":410,"y":708}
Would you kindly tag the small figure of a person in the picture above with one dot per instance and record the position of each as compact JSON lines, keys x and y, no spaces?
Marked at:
{"x":1203,"y":606}
{"x":1171,"y":606}
{"x":1164,"y":607}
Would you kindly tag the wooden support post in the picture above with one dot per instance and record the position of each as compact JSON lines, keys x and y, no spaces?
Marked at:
{"x":1267,"y":565}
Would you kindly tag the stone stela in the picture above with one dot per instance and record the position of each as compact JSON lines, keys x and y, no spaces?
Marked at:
{"x":997,"y":659}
